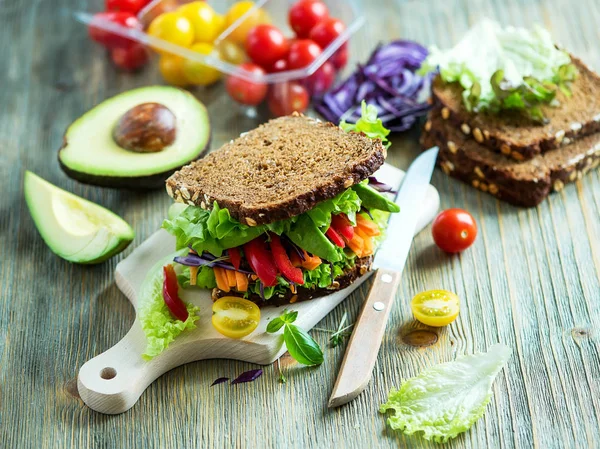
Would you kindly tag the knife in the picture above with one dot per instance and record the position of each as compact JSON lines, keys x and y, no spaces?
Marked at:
{"x":361,"y":353}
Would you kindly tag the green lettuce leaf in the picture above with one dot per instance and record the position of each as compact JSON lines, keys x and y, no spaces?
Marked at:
{"x":505,"y":68}
{"x":369,"y":124}
{"x":205,"y":279}
{"x":159,"y":326}
{"x":446,"y":399}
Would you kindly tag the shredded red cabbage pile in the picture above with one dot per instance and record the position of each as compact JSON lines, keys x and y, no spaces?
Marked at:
{"x":387,"y":81}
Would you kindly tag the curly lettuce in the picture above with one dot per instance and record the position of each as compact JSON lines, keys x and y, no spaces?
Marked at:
{"x":159,"y":326}
{"x":505,"y":68}
{"x":445,"y":400}
{"x":369,"y":124}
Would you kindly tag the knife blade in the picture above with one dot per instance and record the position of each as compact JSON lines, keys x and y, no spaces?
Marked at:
{"x":363,"y":347}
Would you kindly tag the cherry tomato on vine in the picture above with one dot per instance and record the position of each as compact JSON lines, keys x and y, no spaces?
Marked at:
{"x":108,"y":38}
{"x":265,"y":44}
{"x":320,"y":81}
{"x":302,"y":53}
{"x":305,"y":14}
{"x":435,"y":307}
{"x":246,"y":92}
{"x":326,"y":31}
{"x":454,"y":230}
{"x":283,"y":99}
{"x":132,"y":6}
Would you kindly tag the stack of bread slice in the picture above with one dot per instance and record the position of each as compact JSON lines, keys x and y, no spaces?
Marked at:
{"x":512,"y":157}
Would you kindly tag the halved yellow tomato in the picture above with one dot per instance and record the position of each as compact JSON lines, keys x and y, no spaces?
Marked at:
{"x":235,"y":317}
{"x":435,"y":307}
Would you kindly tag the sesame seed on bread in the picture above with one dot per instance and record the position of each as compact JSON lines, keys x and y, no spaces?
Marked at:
{"x":281,"y":169}
{"x":516,"y":136}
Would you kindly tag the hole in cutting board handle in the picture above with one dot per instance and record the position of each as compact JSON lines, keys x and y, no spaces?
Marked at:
{"x":108,"y":373}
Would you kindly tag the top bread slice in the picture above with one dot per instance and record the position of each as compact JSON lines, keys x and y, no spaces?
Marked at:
{"x":520,"y":138}
{"x":281,"y":169}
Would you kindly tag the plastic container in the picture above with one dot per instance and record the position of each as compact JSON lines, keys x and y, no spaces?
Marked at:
{"x":345,"y":10}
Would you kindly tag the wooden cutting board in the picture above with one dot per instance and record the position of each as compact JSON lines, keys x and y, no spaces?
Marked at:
{"x":113,"y":381}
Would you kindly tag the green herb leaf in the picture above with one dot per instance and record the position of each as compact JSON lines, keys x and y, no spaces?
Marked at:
{"x":445,"y":400}
{"x":301,"y":346}
{"x":274,"y":325}
{"x":289,"y":317}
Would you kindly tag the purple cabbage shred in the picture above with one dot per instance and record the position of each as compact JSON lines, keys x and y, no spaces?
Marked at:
{"x":380,"y":186}
{"x":387,"y":81}
{"x":248,"y":376}
{"x":220,"y":380}
{"x":206,"y":259}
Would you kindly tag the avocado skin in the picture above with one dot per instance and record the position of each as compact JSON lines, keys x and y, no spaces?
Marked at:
{"x":150,"y":182}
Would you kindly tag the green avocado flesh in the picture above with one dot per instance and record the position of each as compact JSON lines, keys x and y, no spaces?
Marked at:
{"x":75,"y":229}
{"x":91,"y":155}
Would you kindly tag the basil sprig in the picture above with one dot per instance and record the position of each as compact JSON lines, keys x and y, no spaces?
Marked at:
{"x":299,"y":343}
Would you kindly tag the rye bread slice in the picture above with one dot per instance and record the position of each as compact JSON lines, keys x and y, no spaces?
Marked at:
{"x":512,"y":134}
{"x":524,"y":183}
{"x":281,"y":169}
{"x":361,"y":266}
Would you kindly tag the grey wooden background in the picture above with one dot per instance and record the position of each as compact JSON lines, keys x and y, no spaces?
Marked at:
{"x":532,"y":279}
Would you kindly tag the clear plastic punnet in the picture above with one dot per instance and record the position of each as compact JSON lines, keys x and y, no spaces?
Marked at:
{"x":345,"y":10}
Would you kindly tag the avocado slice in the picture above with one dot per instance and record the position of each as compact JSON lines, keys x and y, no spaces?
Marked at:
{"x":75,"y":229}
{"x":90,"y":152}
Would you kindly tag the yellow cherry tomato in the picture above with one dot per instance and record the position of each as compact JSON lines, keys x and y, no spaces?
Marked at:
{"x":235,"y":317}
{"x":435,"y":307}
{"x":231,"y":52}
{"x":172,"y":27}
{"x":171,"y":69}
{"x":256,"y":17}
{"x":198,"y":73}
{"x":207,"y":24}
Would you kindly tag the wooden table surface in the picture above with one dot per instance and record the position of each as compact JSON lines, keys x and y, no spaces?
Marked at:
{"x":532,"y":279}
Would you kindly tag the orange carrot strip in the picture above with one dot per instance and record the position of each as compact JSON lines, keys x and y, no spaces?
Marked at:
{"x":231,"y":278}
{"x":193,"y":275}
{"x":221,"y":277}
{"x":369,"y":227}
{"x":367,"y":243}
{"x":310,"y":262}
{"x":241,"y":281}
{"x":356,"y":244}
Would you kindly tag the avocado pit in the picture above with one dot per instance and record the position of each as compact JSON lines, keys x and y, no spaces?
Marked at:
{"x":146,"y":128}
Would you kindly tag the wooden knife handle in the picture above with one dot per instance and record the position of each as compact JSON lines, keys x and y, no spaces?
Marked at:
{"x":361,"y":353}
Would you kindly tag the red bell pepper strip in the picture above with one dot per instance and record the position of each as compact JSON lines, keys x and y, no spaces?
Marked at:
{"x":234,"y":257}
{"x":342,"y":225}
{"x":335,"y":237}
{"x":261,"y":261}
{"x":283,"y":262}
{"x":171,"y":296}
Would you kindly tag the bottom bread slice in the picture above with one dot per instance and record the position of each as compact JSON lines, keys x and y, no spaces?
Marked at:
{"x":361,"y":266}
{"x":524,"y":183}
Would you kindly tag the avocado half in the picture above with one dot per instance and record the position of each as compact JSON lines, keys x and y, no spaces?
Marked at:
{"x":90,"y":154}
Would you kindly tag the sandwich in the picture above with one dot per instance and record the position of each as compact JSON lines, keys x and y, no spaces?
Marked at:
{"x":286,"y":212}
{"x":513,"y":115}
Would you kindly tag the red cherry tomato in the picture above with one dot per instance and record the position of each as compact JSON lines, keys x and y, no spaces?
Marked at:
{"x":279,"y":66}
{"x":320,"y":81}
{"x":130,"y":58}
{"x":454,"y":230}
{"x":171,"y":296}
{"x":340,"y":58}
{"x":246,"y":92}
{"x":132,"y":6}
{"x":302,"y":53}
{"x":342,"y":226}
{"x":283,"y":99}
{"x":305,"y":14}
{"x":107,"y":38}
{"x":265,"y":44}
{"x":326,"y":31}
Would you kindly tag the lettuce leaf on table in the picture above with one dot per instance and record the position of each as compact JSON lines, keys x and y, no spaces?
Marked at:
{"x":446,"y":399}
